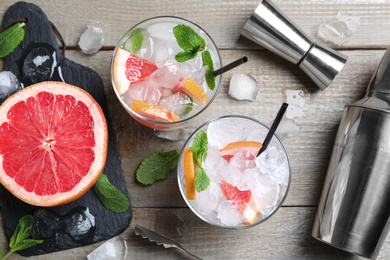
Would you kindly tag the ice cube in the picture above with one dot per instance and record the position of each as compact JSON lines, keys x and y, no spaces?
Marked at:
{"x":145,"y":50}
{"x":9,"y":84}
{"x":243,"y":87}
{"x":165,"y":77}
{"x":212,"y":161}
{"x":92,"y":39}
{"x":222,"y":132}
{"x":162,"y":31}
{"x":46,"y":224}
{"x":230,"y":174}
{"x":172,"y":135}
{"x":266,"y":190}
{"x":208,"y":200}
{"x":162,"y":53}
{"x":185,"y":71}
{"x":196,"y":63}
{"x":80,"y":224}
{"x":339,"y":29}
{"x":39,"y":64}
{"x":178,"y":103}
{"x":250,"y":179}
{"x":137,"y":91}
{"x":199,"y":75}
{"x":113,"y":249}
{"x":153,"y":96}
{"x":243,"y":160}
{"x":228,"y":213}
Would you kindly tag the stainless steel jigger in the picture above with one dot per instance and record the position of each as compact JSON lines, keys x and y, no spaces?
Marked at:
{"x":272,"y":29}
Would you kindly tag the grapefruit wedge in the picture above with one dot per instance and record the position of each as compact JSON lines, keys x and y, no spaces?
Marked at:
{"x":192,"y":89}
{"x":53,"y":143}
{"x":189,"y":174}
{"x":246,"y":204}
{"x":153,"y":112}
{"x":232,"y":148}
{"x":128,"y":68}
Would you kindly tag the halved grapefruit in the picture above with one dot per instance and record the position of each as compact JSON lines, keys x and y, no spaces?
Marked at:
{"x":232,"y":148}
{"x":128,"y":68}
{"x":53,"y":143}
{"x":244,"y":201}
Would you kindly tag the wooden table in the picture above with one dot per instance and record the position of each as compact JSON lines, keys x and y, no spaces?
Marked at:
{"x":160,"y":207}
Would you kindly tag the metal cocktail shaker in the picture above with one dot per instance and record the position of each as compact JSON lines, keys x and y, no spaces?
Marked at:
{"x":354,"y":209}
{"x":272,"y":29}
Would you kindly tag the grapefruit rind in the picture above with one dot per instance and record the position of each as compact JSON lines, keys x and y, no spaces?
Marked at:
{"x":192,"y":89}
{"x":232,"y":148}
{"x":153,"y":112}
{"x":189,"y":174}
{"x":100,"y":149}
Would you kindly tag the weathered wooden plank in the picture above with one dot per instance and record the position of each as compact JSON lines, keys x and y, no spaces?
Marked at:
{"x":222,"y":19}
{"x":285,"y":236}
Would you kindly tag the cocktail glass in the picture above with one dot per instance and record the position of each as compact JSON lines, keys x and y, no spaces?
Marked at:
{"x":268,"y":180}
{"x":160,"y":46}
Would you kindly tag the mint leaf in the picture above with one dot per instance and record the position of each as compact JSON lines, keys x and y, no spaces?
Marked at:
{"x":22,"y":231}
{"x":111,"y":198}
{"x":199,"y":147}
{"x":188,"y":108}
{"x":202,"y":181}
{"x":134,"y":40}
{"x":10,"y":39}
{"x":187,"y":55}
{"x":157,"y":166}
{"x":187,"y":38}
{"x":210,"y":78}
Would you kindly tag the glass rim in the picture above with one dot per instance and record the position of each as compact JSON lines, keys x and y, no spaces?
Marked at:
{"x":238,"y":226}
{"x":180,"y":121}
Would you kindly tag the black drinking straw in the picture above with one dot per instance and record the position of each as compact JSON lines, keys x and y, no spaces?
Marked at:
{"x":231,"y":66}
{"x":274,"y":125}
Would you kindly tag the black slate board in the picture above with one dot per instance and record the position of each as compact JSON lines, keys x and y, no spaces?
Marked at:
{"x":39,"y":32}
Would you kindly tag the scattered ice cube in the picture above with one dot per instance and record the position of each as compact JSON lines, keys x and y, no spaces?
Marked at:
{"x":46,"y":224}
{"x":208,"y":200}
{"x":243,"y":160}
{"x":243,"y":87}
{"x":38,"y":64}
{"x":229,"y":214}
{"x":9,"y":84}
{"x":296,"y":100}
{"x":80,"y":224}
{"x":113,"y":249}
{"x":339,"y":29}
{"x":162,"y":31}
{"x":231,"y":174}
{"x":92,"y":39}
{"x":172,"y":135}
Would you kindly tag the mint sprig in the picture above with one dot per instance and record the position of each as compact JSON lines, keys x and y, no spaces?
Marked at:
{"x":157,"y":167}
{"x":199,"y":147}
{"x":202,"y":181}
{"x":192,"y":43}
{"x":199,"y":152}
{"x":111,"y":198}
{"x":134,"y":40}
{"x":19,"y":239}
{"x":10,"y":39}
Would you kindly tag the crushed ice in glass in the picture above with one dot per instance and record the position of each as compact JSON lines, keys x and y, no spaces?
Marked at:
{"x":113,"y":249}
{"x":92,"y":39}
{"x":243,"y":87}
{"x":9,"y":84}
{"x":266,"y":176}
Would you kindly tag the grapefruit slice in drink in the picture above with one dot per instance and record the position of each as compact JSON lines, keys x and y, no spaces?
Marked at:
{"x":53,"y":143}
{"x":232,"y":148}
{"x":153,"y":112}
{"x":243,"y":200}
{"x":128,"y":68}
